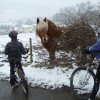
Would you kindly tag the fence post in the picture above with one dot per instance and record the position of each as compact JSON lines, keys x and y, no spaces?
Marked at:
{"x":31,"y":56}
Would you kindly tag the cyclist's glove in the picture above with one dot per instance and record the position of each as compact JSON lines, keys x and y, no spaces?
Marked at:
{"x":26,"y":50}
{"x":86,"y":50}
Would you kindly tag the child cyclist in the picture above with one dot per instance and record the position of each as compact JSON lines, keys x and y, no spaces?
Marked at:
{"x":14,"y":49}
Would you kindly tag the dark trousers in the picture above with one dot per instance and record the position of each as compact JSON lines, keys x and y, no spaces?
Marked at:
{"x":12,"y":70}
{"x":96,"y":86}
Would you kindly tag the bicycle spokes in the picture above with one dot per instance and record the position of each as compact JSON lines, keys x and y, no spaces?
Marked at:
{"x":83,"y":82}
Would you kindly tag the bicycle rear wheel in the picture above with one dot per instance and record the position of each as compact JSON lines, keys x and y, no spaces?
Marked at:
{"x":82,"y":82}
{"x":24,"y":85}
{"x":23,"y":81}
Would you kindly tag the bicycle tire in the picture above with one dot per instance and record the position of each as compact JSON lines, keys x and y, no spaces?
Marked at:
{"x":23,"y":81}
{"x":81,"y":96}
{"x":24,"y":85}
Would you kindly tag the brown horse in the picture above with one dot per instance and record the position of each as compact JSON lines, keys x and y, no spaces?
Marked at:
{"x":48,"y":33}
{"x":74,"y":37}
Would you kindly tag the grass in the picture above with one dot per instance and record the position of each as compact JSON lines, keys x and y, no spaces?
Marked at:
{"x":40,"y":65}
{"x":59,"y":62}
{"x":50,"y":66}
{"x":1,"y":65}
{"x":25,"y":64}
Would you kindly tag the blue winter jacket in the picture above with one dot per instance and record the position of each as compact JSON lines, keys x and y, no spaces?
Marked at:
{"x":95,"y":48}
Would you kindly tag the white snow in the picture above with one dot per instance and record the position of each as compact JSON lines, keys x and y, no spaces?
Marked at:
{"x":43,"y":77}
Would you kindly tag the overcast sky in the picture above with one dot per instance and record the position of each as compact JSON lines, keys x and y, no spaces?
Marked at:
{"x":10,"y":10}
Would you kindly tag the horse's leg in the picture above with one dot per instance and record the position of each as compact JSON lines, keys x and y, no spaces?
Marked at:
{"x":52,"y":56}
{"x":51,"y":53}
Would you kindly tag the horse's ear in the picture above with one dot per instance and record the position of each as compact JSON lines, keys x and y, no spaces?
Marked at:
{"x":45,"y":19}
{"x":38,"y":20}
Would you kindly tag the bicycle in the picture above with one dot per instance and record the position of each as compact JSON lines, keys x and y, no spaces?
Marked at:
{"x":21,"y":79}
{"x":83,"y":79}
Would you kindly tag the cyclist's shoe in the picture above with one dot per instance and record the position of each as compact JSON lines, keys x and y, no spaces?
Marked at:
{"x":14,"y":86}
{"x":90,"y":99}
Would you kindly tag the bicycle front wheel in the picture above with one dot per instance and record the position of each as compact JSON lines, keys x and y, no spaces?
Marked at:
{"x":82,"y":82}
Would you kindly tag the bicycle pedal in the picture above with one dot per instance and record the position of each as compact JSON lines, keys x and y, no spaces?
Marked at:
{"x":14,"y":86}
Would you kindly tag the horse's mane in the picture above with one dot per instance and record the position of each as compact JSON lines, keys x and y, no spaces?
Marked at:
{"x":52,"y":29}
{"x":51,"y":24}
{"x":42,"y":25}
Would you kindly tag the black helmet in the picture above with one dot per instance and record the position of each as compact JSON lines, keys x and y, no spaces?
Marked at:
{"x":13,"y":34}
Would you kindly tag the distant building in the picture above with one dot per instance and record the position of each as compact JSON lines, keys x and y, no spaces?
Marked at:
{"x":4,"y":29}
{"x":26,"y":28}
{"x":3,"y":32}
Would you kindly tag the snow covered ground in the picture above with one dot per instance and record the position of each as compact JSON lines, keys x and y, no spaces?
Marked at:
{"x":37,"y":76}
{"x":43,"y":77}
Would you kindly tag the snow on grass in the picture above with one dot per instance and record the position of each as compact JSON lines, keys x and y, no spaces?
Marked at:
{"x":56,"y":77}
{"x":52,"y":78}
{"x":43,"y":77}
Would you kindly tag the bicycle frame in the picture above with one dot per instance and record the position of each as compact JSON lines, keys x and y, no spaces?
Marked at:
{"x":93,"y":65}
{"x":20,"y":73}
{"x":23,"y":81}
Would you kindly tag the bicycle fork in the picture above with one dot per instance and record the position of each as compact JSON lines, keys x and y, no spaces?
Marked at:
{"x":86,"y":79}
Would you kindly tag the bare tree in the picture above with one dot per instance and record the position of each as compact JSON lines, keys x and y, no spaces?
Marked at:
{"x":83,"y":11}
{"x":65,"y":15}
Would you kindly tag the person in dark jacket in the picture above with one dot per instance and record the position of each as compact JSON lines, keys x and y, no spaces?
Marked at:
{"x":96,"y":49}
{"x":14,"y":49}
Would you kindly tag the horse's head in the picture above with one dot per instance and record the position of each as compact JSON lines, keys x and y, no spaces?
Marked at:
{"x":42,"y":29}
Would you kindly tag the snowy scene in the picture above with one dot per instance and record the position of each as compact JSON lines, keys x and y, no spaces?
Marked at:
{"x":44,"y":77}
{"x":61,"y":54}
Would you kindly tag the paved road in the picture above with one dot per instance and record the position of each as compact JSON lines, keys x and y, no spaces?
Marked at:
{"x":6,"y":93}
